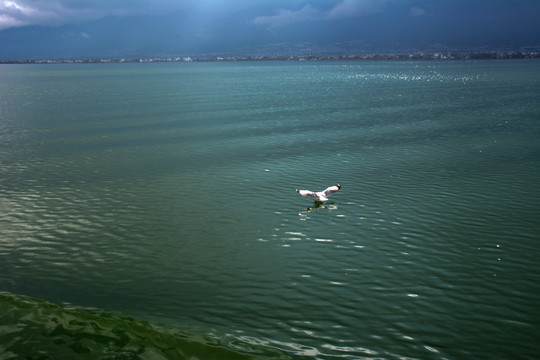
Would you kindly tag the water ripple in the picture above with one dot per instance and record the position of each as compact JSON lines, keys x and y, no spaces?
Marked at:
{"x":180,"y":206}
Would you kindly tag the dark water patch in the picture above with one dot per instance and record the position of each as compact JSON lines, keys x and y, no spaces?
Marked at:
{"x":33,"y":328}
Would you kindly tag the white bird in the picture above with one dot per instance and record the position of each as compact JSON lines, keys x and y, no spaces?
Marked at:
{"x":320,"y":195}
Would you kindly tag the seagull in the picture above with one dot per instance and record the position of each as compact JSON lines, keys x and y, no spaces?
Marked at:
{"x":320,"y":195}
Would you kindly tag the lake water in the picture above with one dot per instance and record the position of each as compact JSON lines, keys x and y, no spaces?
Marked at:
{"x":149,"y":210}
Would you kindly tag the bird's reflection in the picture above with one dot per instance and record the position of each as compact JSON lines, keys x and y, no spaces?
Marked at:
{"x":317,"y":205}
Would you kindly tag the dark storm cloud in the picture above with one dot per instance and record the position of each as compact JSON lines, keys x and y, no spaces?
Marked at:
{"x":65,"y":28}
{"x":285,"y":17}
{"x":15,"y":13}
{"x":313,"y":12}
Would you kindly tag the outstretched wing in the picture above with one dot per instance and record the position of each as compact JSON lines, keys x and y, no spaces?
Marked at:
{"x":307,"y":193}
{"x":330,"y":190}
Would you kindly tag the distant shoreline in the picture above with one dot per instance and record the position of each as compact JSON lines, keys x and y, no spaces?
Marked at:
{"x":397,"y":57}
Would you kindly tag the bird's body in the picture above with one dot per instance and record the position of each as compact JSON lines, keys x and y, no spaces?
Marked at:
{"x":320,"y":195}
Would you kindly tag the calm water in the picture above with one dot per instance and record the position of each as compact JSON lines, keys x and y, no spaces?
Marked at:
{"x":148,"y":210}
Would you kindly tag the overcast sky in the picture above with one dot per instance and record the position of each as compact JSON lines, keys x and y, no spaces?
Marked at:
{"x":32,"y":29}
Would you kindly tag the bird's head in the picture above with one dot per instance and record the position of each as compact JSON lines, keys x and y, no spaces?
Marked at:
{"x":338,"y":186}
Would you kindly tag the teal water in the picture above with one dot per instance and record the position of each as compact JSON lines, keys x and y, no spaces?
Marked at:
{"x":149,"y":211}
